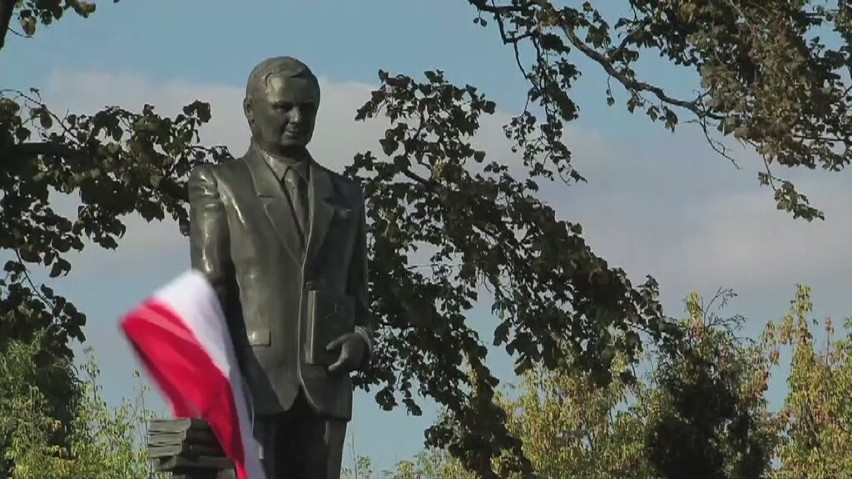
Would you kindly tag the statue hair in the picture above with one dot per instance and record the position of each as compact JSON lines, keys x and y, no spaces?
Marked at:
{"x":289,"y":66}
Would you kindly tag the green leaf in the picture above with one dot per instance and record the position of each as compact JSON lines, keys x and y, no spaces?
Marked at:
{"x":44,"y":118}
{"x":28,"y":25}
{"x":22,"y":134}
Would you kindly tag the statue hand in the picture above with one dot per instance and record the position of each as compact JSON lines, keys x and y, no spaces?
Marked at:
{"x":351,"y":352}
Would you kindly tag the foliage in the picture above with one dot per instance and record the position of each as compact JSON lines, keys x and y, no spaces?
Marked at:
{"x":774,"y":74}
{"x":96,"y":442}
{"x":430,"y":463}
{"x":816,"y":420}
{"x":38,"y":391}
{"x":572,"y":426}
{"x":116,"y":162}
{"x":703,"y":409}
{"x":558,"y":303}
{"x":700,"y":411}
{"x":765,"y":80}
{"x":708,"y":411}
{"x":30,"y":13}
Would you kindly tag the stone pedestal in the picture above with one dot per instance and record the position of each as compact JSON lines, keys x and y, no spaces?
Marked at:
{"x":187,"y":449}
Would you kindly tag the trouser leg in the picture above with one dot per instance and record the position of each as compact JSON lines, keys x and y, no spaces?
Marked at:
{"x":313,"y":445}
{"x":267,"y":433}
{"x":304,"y":446}
{"x":335,"y":437}
{"x":299,"y":444}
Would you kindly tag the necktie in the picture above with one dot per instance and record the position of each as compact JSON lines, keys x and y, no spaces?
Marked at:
{"x":298,"y":191}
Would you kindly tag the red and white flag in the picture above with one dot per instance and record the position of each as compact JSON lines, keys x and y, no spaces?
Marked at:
{"x":181,"y":337}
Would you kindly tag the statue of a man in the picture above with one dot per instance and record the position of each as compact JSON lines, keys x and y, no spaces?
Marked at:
{"x":282,"y":240}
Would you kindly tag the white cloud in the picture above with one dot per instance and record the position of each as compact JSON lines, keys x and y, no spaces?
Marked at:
{"x":338,"y":136}
{"x":747,"y":237}
{"x":655,"y":204}
{"x":667,"y":205}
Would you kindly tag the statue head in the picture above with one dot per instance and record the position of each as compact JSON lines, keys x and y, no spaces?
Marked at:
{"x":282,"y":98}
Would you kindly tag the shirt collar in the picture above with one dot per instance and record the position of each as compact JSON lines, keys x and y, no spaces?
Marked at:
{"x":280,"y":166}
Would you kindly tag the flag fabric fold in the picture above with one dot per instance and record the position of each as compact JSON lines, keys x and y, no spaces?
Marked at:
{"x":181,"y":337}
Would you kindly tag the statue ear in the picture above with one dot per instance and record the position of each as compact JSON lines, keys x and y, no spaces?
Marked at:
{"x":248,"y":110}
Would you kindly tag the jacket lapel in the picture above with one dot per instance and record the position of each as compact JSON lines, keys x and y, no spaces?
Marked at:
{"x":275,"y":204}
{"x":321,"y":197}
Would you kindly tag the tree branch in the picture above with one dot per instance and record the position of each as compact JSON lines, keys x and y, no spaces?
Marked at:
{"x":26,"y":150}
{"x":633,"y":84}
{"x":7,"y":8}
{"x":499,"y":10}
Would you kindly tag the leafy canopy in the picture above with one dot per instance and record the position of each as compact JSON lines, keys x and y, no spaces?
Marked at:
{"x":557,"y":303}
{"x":83,"y":437}
{"x":701,"y":410}
{"x":770,"y":76}
{"x":774,"y":75}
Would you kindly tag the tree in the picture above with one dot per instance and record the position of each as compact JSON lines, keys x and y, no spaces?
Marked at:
{"x":31,"y":12}
{"x":700,"y":411}
{"x":120,"y":162}
{"x":816,"y":419}
{"x":572,"y":426}
{"x":707,"y":411}
{"x":39,"y":390}
{"x":765,"y":81}
{"x":43,"y":441}
{"x":775,"y":87}
{"x":430,"y":463}
{"x":482,"y":227}
{"x":774,"y":75}
{"x":115,"y":161}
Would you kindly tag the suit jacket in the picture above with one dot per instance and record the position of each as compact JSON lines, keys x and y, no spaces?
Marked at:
{"x":245,"y":239}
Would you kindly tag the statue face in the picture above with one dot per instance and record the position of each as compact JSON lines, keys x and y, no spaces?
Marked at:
{"x":283,"y":113}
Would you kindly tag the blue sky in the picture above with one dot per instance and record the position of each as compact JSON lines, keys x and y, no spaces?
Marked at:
{"x":656,"y":203}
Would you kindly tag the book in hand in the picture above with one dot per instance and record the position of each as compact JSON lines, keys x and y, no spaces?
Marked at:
{"x":176,"y":425}
{"x":157,"y":438}
{"x":186,"y":449}
{"x":329,"y":317}
{"x":186,"y":446}
{"x":178,"y":464}
{"x":163,"y":432}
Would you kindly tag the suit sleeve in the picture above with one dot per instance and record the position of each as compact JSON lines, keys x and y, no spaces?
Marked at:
{"x":359,"y":280}
{"x":208,"y":233}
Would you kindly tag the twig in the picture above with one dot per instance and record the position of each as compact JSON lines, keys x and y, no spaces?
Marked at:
{"x":24,"y":150}
{"x":636,"y":85}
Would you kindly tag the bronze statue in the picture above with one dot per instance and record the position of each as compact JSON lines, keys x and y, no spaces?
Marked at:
{"x":282,"y":240}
